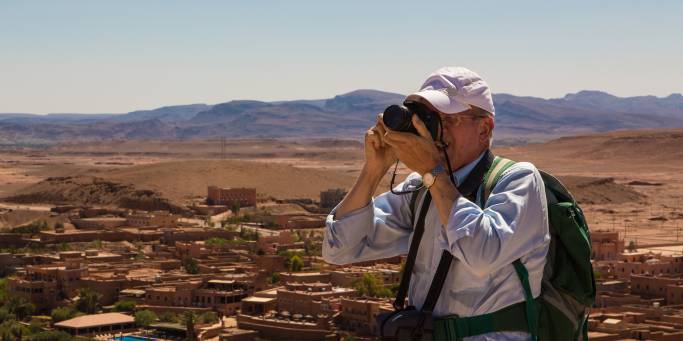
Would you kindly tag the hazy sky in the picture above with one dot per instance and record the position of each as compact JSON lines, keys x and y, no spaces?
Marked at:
{"x":118,"y":56}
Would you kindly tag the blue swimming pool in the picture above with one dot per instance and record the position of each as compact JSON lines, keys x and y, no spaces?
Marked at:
{"x":133,"y":338}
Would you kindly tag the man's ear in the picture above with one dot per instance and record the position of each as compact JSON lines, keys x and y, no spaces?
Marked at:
{"x":485,"y":130}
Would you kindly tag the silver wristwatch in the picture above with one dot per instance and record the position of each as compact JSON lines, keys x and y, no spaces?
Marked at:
{"x":429,"y":178}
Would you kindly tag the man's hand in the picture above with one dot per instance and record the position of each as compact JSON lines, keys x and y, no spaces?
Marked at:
{"x":418,"y":153}
{"x":378,"y":155}
{"x":378,"y":158}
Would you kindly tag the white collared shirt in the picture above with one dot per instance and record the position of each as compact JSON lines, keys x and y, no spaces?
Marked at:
{"x":513,"y":225}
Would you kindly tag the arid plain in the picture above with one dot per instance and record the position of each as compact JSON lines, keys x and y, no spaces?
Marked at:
{"x":630,"y":181}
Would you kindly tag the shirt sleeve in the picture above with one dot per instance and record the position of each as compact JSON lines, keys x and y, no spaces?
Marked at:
{"x":513,"y":223}
{"x":381,"y":229}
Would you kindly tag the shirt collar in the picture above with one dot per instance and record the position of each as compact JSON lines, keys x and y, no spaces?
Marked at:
{"x":462,"y":173}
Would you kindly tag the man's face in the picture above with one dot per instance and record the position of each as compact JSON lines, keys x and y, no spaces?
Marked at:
{"x":466,"y":134}
{"x":463,"y":135}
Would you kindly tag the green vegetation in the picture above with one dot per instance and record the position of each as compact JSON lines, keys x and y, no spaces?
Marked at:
{"x":222,"y":242}
{"x":191,"y":265}
{"x":19,"y":307}
{"x":216,"y":241}
{"x":189,"y":318}
{"x":143,"y":318}
{"x":63,"y":313}
{"x":274,"y":278}
{"x":124,"y":306}
{"x":63,"y":247}
{"x":632,"y":246}
{"x":235,"y":208}
{"x":208,"y":317}
{"x":312,"y":249}
{"x":12,"y":330}
{"x":372,"y":286}
{"x":16,"y":322}
{"x":88,"y":301}
{"x":95,"y":244}
{"x":52,"y":335}
{"x":3,"y":290}
{"x":31,"y":228}
{"x":168,"y":316}
{"x":248,"y":234}
{"x":5,"y":315}
{"x":294,"y":263}
{"x":59,"y":225}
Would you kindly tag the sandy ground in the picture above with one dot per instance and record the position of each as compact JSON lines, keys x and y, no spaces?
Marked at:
{"x":630,"y":181}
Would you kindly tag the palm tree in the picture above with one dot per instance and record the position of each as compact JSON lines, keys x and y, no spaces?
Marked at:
{"x":190,"y":319}
{"x":88,"y":301}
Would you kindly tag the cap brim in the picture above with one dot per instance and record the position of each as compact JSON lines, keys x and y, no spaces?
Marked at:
{"x":441,"y":101}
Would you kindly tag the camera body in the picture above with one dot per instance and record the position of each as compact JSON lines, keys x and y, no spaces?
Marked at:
{"x":399,"y":118}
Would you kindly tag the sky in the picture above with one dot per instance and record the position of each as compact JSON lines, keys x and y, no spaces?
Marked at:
{"x":118,"y":56}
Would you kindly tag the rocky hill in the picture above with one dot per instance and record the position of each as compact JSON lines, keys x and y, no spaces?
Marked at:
{"x":518,"y":119}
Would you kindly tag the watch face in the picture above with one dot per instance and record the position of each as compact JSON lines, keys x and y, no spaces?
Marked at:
{"x":428,"y":179}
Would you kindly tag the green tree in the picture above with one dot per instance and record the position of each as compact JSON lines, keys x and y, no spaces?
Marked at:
{"x":190,"y":319}
{"x":19,"y":307}
{"x":632,"y":246}
{"x":128,"y":306}
{"x":274,"y":278}
{"x":295,"y":263}
{"x":5,"y":315}
{"x":190,"y":265}
{"x":32,"y":228}
{"x":143,"y":318}
{"x":208,"y":317}
{"x":371,"y":286}
{"x":12,"y":330}
{"x":59,"y":225}
{"x":216,"y":241}
{"x":52,"y":335}
{"x":235,"y":208}
{"x":3,"y":290}
{"x":88,"y":301}
{"x":63,"y":313}
{"x":168,"y":316}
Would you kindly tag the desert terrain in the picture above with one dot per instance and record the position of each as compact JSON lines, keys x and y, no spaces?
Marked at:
{"x":630,"y":181}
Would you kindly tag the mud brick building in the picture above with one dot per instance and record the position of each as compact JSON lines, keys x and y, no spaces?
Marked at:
{"x":97,"y":323}
{"x":331,"y":197}
{"x":650,"y":286}
{"x":223,"y":296}
{"x":311,"y":298}
{"x":360,"y":315}
{"x":606,"y":245}
{"x":647,"y":263}
{"x":98,"y":223}
{"x":156,"y":218}
{"x":227,"y":196}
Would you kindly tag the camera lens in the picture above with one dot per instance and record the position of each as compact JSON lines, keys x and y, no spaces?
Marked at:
{"x":397,"y":117}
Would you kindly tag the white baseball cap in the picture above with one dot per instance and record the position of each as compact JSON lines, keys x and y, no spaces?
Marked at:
{"x":454,"y":89}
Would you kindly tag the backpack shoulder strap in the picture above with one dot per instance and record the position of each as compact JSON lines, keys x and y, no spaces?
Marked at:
{"x":498,"y":167}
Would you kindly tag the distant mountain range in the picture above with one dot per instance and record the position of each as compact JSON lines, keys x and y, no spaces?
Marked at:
{"x":518,"y":119}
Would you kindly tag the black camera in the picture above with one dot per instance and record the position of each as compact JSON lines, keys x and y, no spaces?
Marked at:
{"x":399,"y":118}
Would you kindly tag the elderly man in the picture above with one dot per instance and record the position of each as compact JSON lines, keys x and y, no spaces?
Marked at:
{"x":511,"y":224}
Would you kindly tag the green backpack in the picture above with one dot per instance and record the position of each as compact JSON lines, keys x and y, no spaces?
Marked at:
{"x":568,"y":286}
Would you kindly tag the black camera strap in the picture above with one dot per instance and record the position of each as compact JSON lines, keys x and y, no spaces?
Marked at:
{"x":418,"y":231}
{"x":467,"y":189}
